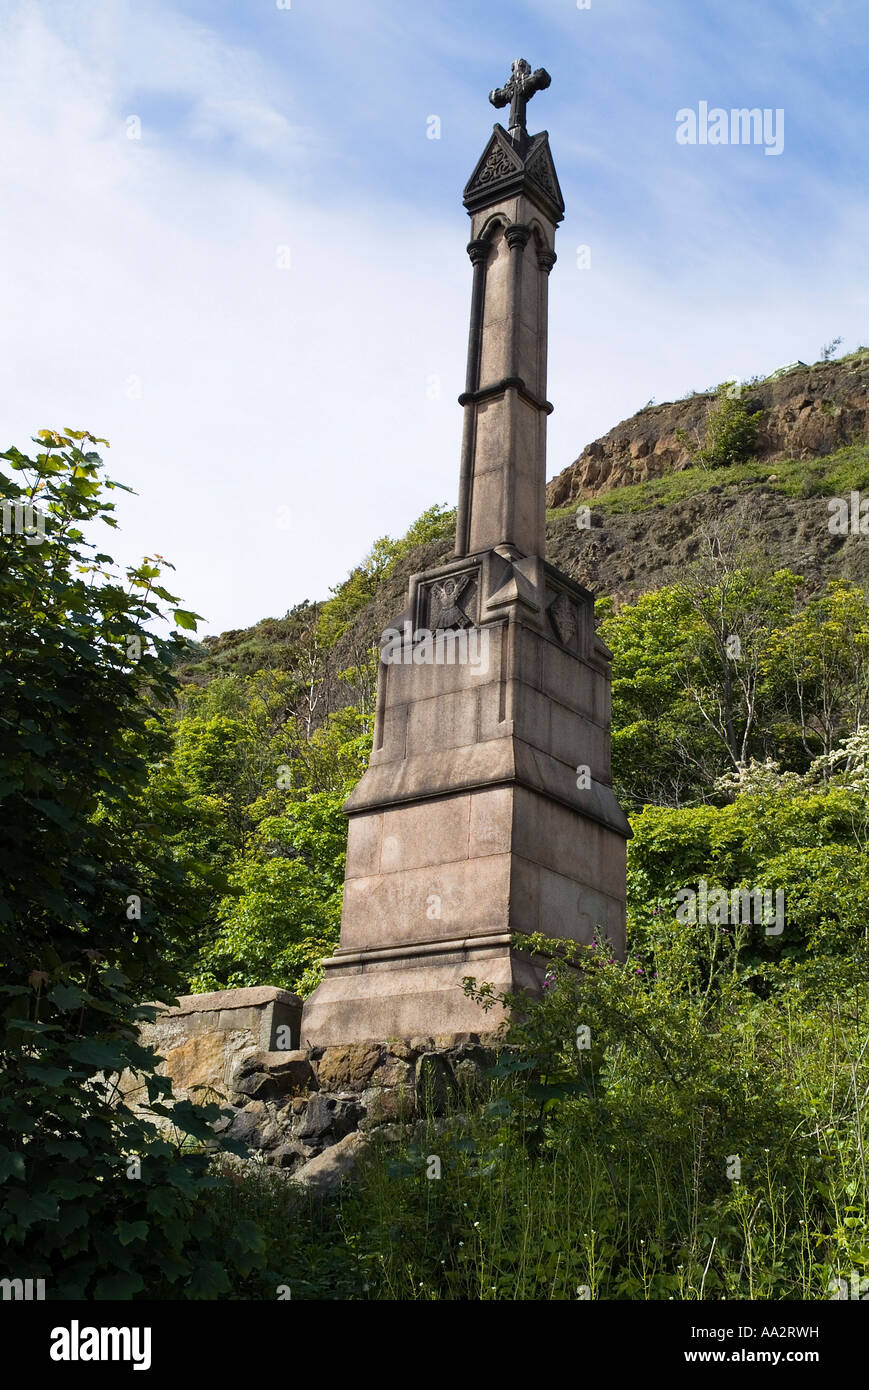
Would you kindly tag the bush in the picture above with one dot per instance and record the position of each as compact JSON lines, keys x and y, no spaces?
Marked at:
{"x":731,"y":431}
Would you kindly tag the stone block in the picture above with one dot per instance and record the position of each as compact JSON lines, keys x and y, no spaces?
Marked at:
{"x":198,"y":1063}
{"x":363,"y":845}
{"x":494,"y":720}
{"x":268,"y":1014}
{"x":490,"y":822}
{"x":440,"y":900}
{"x":446,"y":721}
{"x":334,"y":1165}
{"x":383,"y":1003}
{"x":267,"y":1075}
{"x":577,"y":740}
{"x":391,"y":732}
{"x":408,"y":684}
{"x":431,"y":833}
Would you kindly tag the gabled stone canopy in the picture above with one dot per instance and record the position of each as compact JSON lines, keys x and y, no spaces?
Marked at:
{"x":506,"y":169}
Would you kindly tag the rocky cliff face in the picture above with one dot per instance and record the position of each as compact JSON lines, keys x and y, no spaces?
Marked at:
{"x":624,"y":556}
{"x":807,"y":412}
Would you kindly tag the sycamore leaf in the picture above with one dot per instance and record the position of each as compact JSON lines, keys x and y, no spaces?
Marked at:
{"x":186,"y":619}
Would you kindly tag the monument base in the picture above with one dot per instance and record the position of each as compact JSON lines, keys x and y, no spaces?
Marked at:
{"x":387,"y":993}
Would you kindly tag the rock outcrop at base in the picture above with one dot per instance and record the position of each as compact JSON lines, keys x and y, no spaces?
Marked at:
{"x":289,"y":1107}
{"x":292,"y":1109}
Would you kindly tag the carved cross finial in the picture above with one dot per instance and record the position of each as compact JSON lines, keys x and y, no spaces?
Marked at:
{"x":518,"y":92}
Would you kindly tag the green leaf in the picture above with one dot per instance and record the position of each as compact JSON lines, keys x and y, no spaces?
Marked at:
{"x":208,"y":1280}
{"x":184,"y":618}
{"x":128,"y":1231}
{"x":122,"y":1285}
{"x":11,"y":1165}
{"x":66,"y":996}
{"x":29,"y":1208}
{"x":100,"y":1055}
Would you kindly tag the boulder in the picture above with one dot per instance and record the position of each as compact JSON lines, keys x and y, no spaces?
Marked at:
{"x":244,"y":1125}
{"x":335,"y":1164}
{"x":393,"y":1071}
{"x":387,"y":1105}
{"x":350,"y":1067}
{"x":434,"y":1083}
{"x":267,"y":1075}
{"x":325,"y":1116}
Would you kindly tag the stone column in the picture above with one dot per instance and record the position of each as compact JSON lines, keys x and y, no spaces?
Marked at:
{"x":478,"y":251}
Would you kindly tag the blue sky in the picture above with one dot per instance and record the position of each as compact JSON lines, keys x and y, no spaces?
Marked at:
{"x":276,"y":419}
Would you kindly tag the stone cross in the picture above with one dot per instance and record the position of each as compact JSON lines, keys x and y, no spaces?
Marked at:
{"x":518,"y":92}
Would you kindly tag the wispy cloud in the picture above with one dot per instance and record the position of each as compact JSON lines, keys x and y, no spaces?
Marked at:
{"x":263,"y":300}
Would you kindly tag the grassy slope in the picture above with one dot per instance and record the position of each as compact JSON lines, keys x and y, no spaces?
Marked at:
{"x":835,"y":475}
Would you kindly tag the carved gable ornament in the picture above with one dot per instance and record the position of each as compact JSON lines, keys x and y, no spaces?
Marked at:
{"x":541,"y":168}
{"x":497,"y":162}
{"x":505,"y":168}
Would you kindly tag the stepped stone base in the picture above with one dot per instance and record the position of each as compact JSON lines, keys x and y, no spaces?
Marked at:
{"x":385,"y":994}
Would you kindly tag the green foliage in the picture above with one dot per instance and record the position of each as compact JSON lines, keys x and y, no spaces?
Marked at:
{"x":685,"y":711}
{"x":731,"y":430}
{"x":599,"y":1171}
{"x":284,"y":912}
{"x":86,"y":885}
{"x":360,"y":587}
{"x":259,"y":817}
{"x":645,"y":1134}
{"x":800,"y":841}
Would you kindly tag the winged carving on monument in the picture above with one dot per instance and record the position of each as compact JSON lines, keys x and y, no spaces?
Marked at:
{"x":444,"y":609}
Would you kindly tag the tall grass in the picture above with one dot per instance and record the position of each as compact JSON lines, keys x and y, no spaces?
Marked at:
{"x":709,"y":1144}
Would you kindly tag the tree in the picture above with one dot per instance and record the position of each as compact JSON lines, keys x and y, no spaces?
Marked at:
{"x":825,"y":671}
{"x":96,"y":1200}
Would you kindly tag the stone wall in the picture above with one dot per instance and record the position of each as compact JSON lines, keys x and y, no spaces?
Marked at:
{"x":307,"y":1112}
{"x":205,"y":1036}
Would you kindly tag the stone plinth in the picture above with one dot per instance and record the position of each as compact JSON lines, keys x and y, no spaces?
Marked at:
{"x":487,"y":810}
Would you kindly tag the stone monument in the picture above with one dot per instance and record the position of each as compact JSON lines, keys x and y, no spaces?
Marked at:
{"x":487,"y":809}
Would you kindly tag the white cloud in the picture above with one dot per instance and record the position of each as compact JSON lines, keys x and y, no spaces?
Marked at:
{"x":285,"y":419}
{"x":149,"y":307}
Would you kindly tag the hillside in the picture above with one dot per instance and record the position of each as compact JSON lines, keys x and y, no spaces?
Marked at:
{"x":807,"y":413}
{"x":648,"y":501}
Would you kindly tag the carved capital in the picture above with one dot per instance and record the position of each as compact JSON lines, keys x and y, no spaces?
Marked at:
{"x":517,"y":235}
{"x":478,"y":250}
{"x":545,"y":258}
